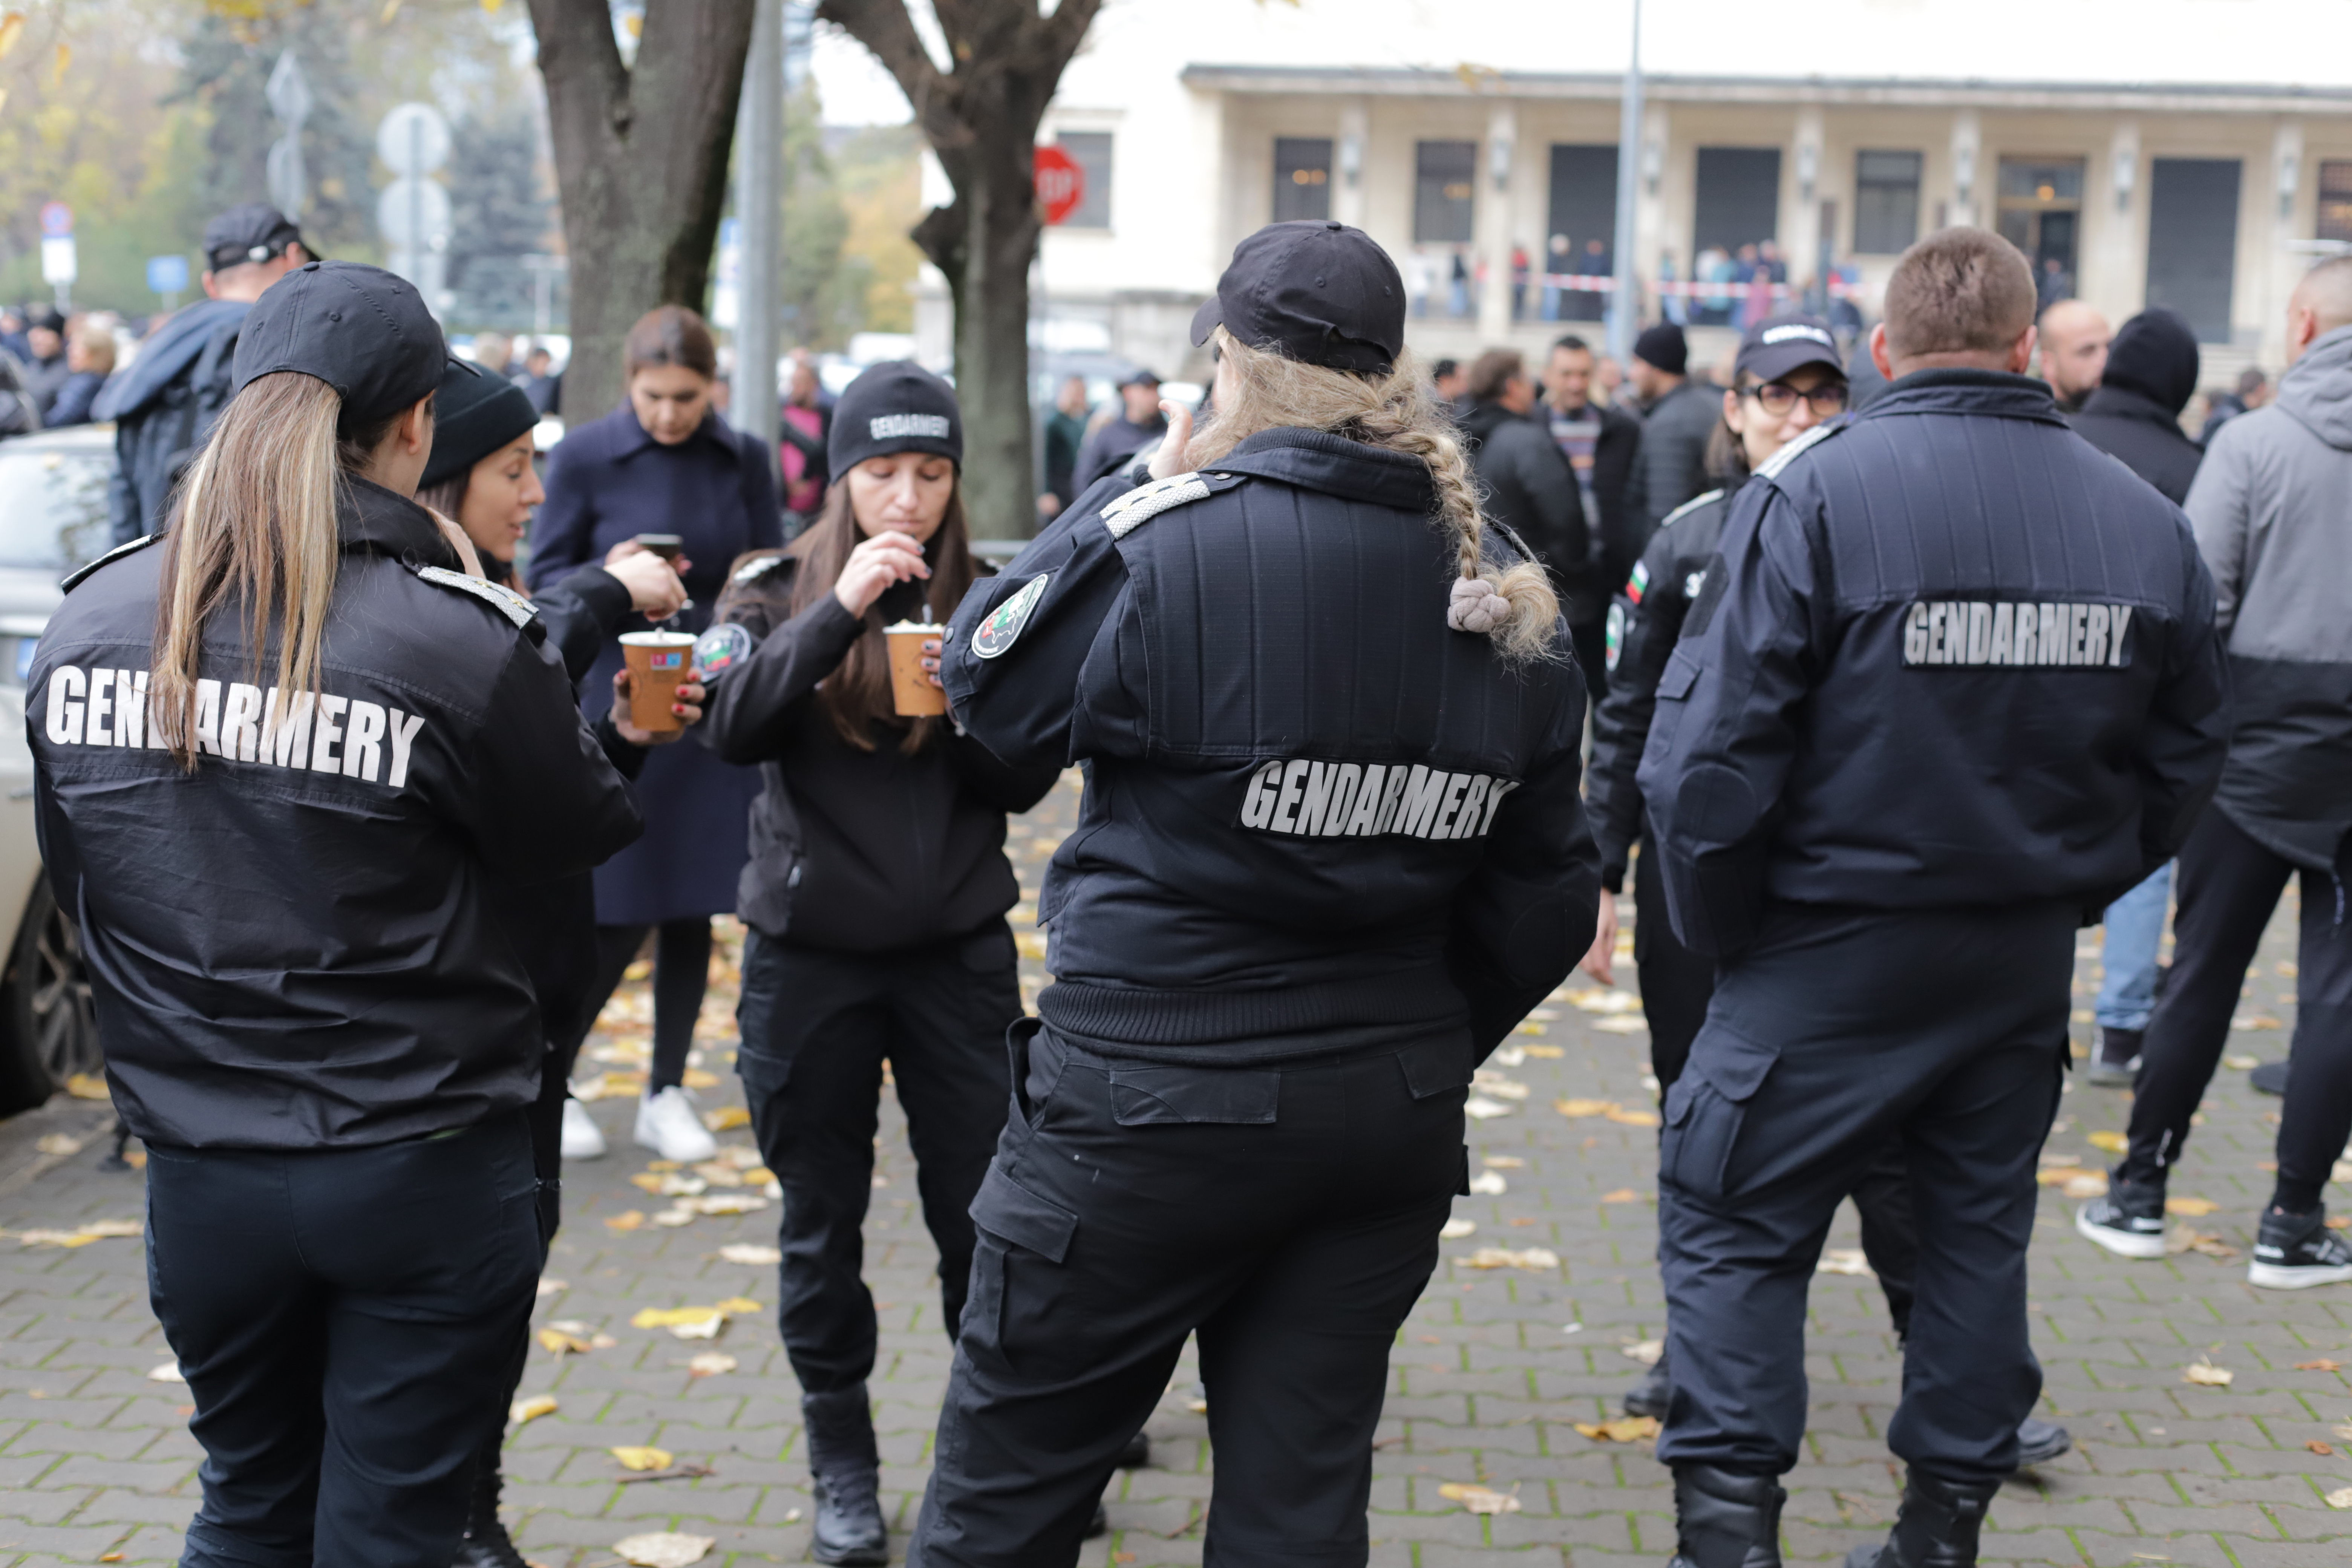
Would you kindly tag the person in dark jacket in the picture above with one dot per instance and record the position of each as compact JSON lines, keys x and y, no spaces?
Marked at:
{"x":2253,"y":390}
{"x":90,"y":360}
{"x":1529,"y":487}
{"x":875,"y":897}
{"x":1603,"y":448}
{"x":1903,"y":749}
{"x":45,"y":365}
{"x":480,"y":476}
{"x":2134,"y":417}
{"x":282,"y":850}
{"x":664,"y":462}
{"x":2268,"y":506}
{"x":165,"y":404}
{"x":1138,"y":425}
{"x":803,"y":427}
{"x":1065,"y":432}
{"x":1678,"y":417}
{"x":1785,"y":381}
{"x":1300,"y":908}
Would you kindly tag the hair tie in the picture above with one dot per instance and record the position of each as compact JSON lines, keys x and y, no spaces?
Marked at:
{"x":1476,"y":606}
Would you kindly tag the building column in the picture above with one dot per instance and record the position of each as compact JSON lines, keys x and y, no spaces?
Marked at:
{"x":2273,"y":282}
{"x":2113,"y":269}
{"x":1970,"y":184}
{"x":1348,"y":153}
{"x":1652,"y":234}
{"x":1496,"y":174}
{"x":1804,"y":246}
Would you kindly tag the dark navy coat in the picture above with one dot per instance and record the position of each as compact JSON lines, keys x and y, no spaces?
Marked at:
{"x":609,"y":481}
{"x":1948,"y":654}
{"x":1315,"y":818}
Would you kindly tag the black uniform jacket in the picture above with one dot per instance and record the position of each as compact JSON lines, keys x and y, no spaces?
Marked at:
{"x":1949,"y":655}
{"x":1644,"y":622}
{"x":1315,"y":818}
{"x":1530,"y":490}
{"x":859,"y":851}
{"x":295,"y":946}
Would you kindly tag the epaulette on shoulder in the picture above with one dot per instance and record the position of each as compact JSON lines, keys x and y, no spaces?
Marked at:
{"x":752,"y":570}
{"x":504,"y":600}
{"x":1140,"y":506}
{"x":74,"y":579}
{"x":1773,"y":465}
{"x":1690,"y":505}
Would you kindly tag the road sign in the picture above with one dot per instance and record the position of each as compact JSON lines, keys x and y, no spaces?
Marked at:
{"x":413,"y":214}
{"x":58,"y":259}
{"x":1061,"y":184}
{"x":167,"y":274}
{"x":413,"y":140}
{"x":57,"y":220}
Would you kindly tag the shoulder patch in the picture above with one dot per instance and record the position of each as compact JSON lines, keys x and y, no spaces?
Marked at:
{"x":504,"y":601}
{"x":1798,"y":448}
{"x":720,"y":648}
{"x":1003,"y":625}
{"x":752,"y":570}
{"x":1693,"y":505}
{"x":74,"y":579}
{"x":1140,"y":506}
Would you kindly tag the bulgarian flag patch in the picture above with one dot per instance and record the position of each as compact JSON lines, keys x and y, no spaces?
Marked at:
{"x":1640,"y":582}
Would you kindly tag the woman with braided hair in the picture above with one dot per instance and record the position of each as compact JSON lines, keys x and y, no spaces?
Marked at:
{"x":1330,"y":851}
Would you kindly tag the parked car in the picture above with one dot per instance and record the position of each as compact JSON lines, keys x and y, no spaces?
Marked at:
{"x":53,"y":518}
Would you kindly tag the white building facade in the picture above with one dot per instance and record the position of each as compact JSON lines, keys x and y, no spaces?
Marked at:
{"x":1478,"y":142}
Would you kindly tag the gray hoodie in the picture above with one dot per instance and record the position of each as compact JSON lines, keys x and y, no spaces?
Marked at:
{"x":2272,"y":507}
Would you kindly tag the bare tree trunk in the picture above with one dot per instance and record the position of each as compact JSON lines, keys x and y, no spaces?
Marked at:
{"x":641,"y":164}
{"x":980,"y":119}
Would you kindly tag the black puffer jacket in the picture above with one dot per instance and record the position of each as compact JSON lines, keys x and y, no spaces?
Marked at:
{"x":858,"y":851}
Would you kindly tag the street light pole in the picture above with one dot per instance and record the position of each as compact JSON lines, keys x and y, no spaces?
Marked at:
{"x":753,"y":408}
{"x":1625,"y":299}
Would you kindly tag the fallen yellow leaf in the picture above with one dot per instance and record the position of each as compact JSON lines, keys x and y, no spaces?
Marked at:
{"x":561,"y":1344}
{"x":646,"y":1181}
{"x":2185,"y":1238}
{"x":2059,"y":1176}
{"x":1479,"y":1500}
{"x":1032,"y":944}
{"x":1455,"y":1229}
{"x":531,"y":1409}
{"x":1582,"y":1107}
{"x":88,"y":1086}
{"x":1647,"y":1351}
{"x":737,"y":1306}
{"x":2242,"y":1064}
{"x":672,"y":1317}
{"x":1547,"y":1051}
{"x":662,"y":1549}
{"x":2324,"y":1364}
{"x":2193,"y":1207}
{"x":710,"y":1363}
{"x":627,"y":1219}
{"x":2205,"y":1375}
{"x":757,"y":1176}
{"x":1845,"y":1260}
{"x":12,"y":27}
{"x":1504,"y":1257}
{"x":1624,"y":1429}
{"x":1622,"y":1195}
{"x":642,"y":1458}
{"x":1632,"y":1118}
{"x":2340,"y":1498}
{"x":1503,"y":1163}
{"x":2113,"y":1142}
{"x":1593,"y":1000}
{"x":727,"y":1118}
{"x":2316,"y":1447}
{"x":751,"y":1252}
{"x":695,"y":1078}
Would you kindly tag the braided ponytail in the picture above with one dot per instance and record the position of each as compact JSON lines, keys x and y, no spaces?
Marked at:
{"x":1516,"y":608}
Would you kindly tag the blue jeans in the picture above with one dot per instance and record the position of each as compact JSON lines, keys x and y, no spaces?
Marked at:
{"x":2135,"y":931}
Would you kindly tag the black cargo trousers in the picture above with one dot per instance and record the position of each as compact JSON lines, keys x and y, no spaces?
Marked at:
{"x":1288,"y":1214}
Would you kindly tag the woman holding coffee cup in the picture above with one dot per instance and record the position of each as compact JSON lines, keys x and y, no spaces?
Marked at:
{"x":664,"y":463}
{"x":877,"y":895}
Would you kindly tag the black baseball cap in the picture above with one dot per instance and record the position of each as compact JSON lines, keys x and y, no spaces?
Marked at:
{"x":473,"y":415}
{"x":894,"y":406}
{"x":250,"y":231}
{"x":1778,"y":345}
{"x":360,"y":330}
{"x":1318,"y":291}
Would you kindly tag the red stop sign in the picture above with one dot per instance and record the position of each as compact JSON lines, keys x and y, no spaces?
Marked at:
{"x":1061,"y":184}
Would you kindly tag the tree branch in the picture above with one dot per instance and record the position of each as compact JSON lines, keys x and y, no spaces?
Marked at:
{"x":889,"y":34}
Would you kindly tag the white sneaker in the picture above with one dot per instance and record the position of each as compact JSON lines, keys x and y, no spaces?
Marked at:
{"x":667,"y":1123}
{"x":581,"y":1140}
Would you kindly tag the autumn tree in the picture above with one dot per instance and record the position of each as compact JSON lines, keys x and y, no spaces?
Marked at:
{"x":641,"y":150}
{"x":980,"y":112}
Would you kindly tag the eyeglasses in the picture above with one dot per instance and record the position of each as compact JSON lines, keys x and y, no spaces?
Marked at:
{"x":1779,"y":397}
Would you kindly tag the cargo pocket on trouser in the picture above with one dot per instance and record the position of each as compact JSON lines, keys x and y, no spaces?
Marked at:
{"x":1016,"y":1266}
{"x":1706,"y":1110}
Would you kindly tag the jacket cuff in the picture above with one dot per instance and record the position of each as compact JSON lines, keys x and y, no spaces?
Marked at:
{"x":1613,"y":877}
{"x":628,"y":758}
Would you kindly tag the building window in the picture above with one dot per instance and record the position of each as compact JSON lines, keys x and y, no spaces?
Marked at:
{"x":2335,"y":200}
{"x":1302,"y":177}
{"x":1445,"y":176}
{"x":1738,"y":198}
{"x":1886,"y":202}
{"x":2041,"y":212}
{"x":2192,"y":240}
{"x":1090,"y":151}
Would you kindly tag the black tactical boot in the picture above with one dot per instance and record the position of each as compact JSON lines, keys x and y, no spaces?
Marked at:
{"x":487,"y":1543}
{"x":1726,"y":1519}
{"x":1937,"y":1527}
{"x":1653,"y":1393}
{"x":844,"y":1470}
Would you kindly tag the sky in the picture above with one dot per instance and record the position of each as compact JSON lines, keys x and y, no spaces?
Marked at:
{"x":2299,"y":42}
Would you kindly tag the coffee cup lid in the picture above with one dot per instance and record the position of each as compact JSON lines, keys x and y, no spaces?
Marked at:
{"x":912,"y":626}
{"x":657,"y":640}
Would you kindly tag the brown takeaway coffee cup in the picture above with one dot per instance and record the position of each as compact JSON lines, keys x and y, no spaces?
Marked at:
{"x":911,"y":692}
{"x":658,"y":663}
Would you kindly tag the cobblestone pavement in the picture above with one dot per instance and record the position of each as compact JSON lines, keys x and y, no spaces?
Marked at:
{"x":1491,"y":1376}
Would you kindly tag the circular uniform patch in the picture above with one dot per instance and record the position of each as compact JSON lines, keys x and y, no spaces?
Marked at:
{"x":1614,"y":637}
{"x":1004,"y":623}
{"x":720,"y":648}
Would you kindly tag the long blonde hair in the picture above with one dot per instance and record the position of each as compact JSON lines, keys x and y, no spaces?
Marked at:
{"x":256,"y":527}
{"x":1274,"y":391}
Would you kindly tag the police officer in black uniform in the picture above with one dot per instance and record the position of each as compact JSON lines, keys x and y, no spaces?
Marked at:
{"x":1330,"y":852}
{"x":1950,"y":685}
{"x":278,"y":811}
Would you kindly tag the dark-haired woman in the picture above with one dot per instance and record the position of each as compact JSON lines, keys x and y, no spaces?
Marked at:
{"x":664,"y":462}
{"x":285,"y":756}
{"x":875,"y":900}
